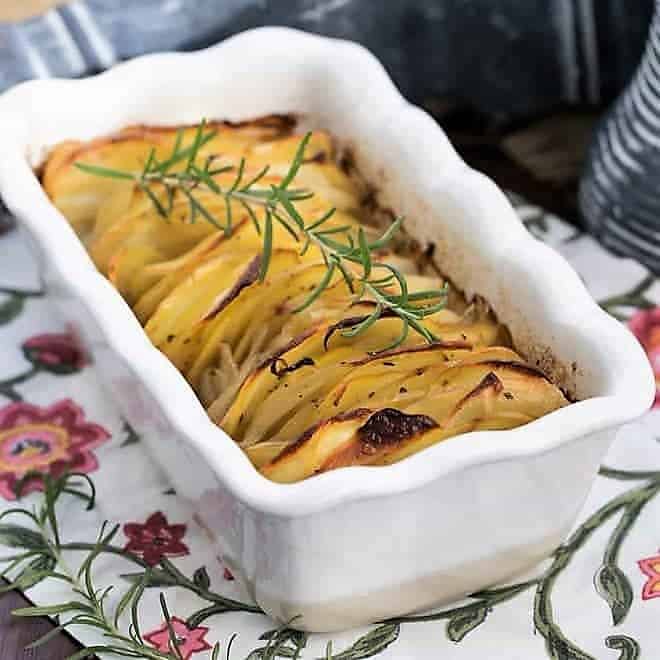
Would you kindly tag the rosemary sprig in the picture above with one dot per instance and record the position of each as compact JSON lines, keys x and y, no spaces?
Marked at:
{"x":39,"y":556}
{"x":344,"y":253}
{"x":42,"y":558}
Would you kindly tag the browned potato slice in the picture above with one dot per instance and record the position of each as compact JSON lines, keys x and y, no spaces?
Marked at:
{"x":148,"y":227}
{"x":269,"y":302}
{"x":506,"y":397}
{"x":301,"y":384}
{"x":250,"y":302}
{"x":127,"y":263}
{"x":79,"y":195}
{"x":313,"y":450}
{"x":312,"y":345}
{"x":199,"y":294}
{"x":156,"y":280}
{"x":397,"y":381}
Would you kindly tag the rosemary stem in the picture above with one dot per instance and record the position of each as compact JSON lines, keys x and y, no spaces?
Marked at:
{"x":19,"y":293}
{"x":109,"y":628}
{"x":189,"y":183}
{"x":8,"y":387}
{"x":206,"y":594}
{"x":110,"y":549}
{"x":628,"y":475}
{"x":181,"y":580}
{"x":278,"y":200}
{"x":20,"y":378}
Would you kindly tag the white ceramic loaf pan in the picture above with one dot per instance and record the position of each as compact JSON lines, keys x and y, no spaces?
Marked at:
{"x":357,"y":544}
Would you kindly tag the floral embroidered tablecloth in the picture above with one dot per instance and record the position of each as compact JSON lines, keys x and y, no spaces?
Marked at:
{"x":170,"y":596}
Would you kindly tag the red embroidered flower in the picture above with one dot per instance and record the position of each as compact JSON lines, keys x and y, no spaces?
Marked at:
{"x":651,"y":568}
{"x":189,"y":641}
{"x":228,"y":575}
{"x":48,"y":440}
{"x":58,"y":353}
{"x":645,"y":325}
{"x":156,"y":539}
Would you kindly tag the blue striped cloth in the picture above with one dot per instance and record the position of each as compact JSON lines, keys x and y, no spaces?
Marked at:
{"x":505,"y":58}
{"x":86,"y":36}
{"x":620,"y":189}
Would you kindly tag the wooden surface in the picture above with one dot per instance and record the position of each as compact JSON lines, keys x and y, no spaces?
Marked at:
{"x":540,"y":160}
{"x":16,"y":634}
{"x":17,"y":10}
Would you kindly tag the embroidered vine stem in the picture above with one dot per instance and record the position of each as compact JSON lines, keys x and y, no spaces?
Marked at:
{"x":14,"y":303}
{"x":167,"y":574}
{"x":21,"y":293}
{"x":635,"y":297}
{"x":41,"y":556}
{"x":632,"y":502}
{"x":8,"y":387}
{"x":97,"y":611}
{"x":42,"y":550}
{"x":611,"y":583}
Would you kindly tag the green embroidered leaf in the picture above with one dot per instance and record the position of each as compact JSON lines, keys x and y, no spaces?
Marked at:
{"x":35,"y":572}
{"x":25,"y":580}
{"x":91,"y":651}
{"x":157,"y":578}
{"x":282,"y":652}
{"x":614,"y":587}
{"x":16,"y":536}
{"x":561,"y":648}
{"x":630,"y":649}
{"x":373,"y":643}
{"x":11,"y":308}
{"x":197,"y":618}
{"x":465,"y":622}
{"x":52,"y":610}
{"x":280,"y":632}
{"x":51,"y":634}
{"x":279,"y":644}
{"x":132,"y":436}
{"x":201,"y":578}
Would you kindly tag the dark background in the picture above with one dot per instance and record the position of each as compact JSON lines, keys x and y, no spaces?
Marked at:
{"x":503,"y":58}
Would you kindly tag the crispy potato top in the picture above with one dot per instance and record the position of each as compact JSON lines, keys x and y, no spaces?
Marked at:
{"x":297,"y":394}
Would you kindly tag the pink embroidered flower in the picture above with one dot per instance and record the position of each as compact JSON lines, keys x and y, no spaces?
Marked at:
{"x":48,"y":440}
{"x":58,"y":353}
{"x":651,"y":568}
{"x":189,"y":641}
{"x":156,"y":539}
{"x":645,"y":325}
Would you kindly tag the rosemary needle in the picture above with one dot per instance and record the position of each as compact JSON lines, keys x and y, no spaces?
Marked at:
{"x":344,"y":253}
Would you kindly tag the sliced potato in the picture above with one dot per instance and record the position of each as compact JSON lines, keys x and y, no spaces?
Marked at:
{"x":199,"y":294}
{"x":156,"y":280}
{"x":269,"y":302}
{"x":126,"y":263}
{"x":314,"y":449}
{"x":292,"y":387}
{"x":79,"y":195}
{"x":228,"y":315}
{"x":397,"y":381}
{"x":365,"y":437}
